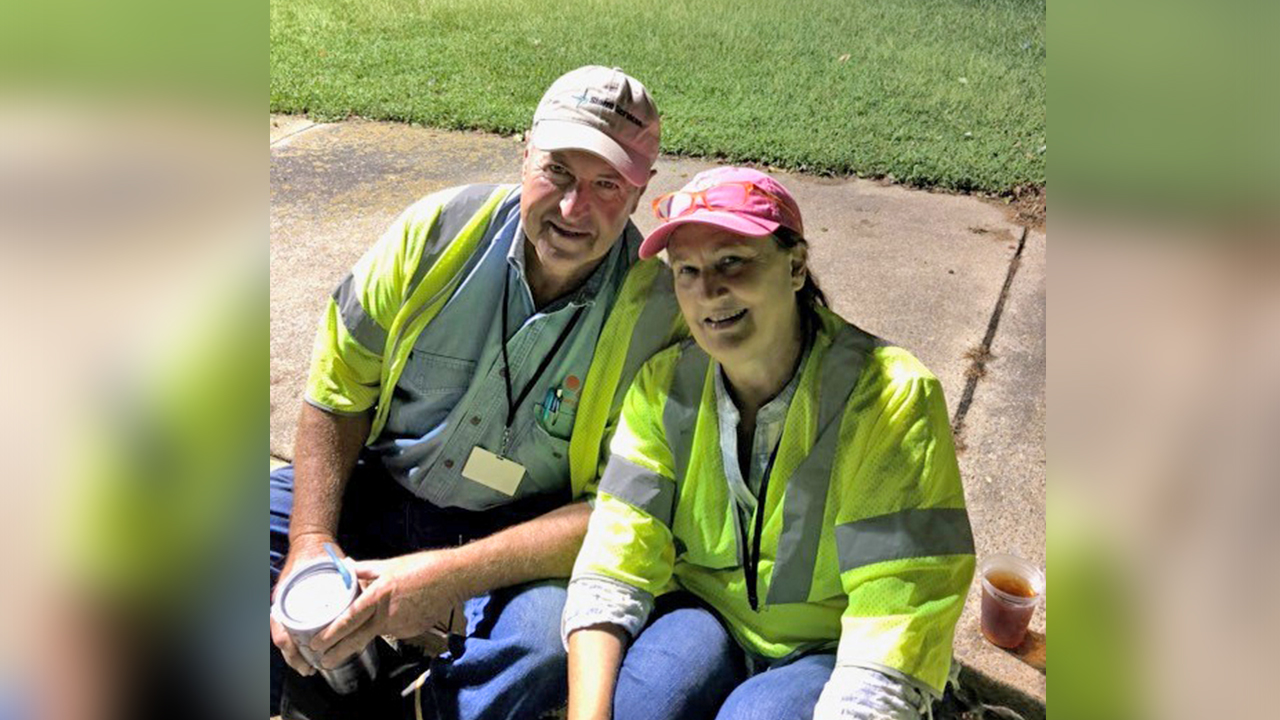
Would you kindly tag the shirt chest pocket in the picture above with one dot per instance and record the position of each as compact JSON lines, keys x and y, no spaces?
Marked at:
{"x":556,"y":419}
{"x":436,"y":378}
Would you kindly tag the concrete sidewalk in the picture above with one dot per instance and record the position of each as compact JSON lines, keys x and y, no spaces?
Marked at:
{"x":950,"y":278}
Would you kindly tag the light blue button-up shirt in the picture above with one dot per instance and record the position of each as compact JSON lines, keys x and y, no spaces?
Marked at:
{"x":452,"y":395}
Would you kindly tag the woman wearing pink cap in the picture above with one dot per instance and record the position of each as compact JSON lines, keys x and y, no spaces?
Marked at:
{"x":780,"y":531}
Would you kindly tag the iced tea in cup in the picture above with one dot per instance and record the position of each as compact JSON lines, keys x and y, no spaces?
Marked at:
{"x":1011,"y":590}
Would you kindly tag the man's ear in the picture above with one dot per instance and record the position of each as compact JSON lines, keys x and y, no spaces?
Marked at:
{"x":799,"y":265}
{"x":635,"y":201}
{"x":645,"y":187}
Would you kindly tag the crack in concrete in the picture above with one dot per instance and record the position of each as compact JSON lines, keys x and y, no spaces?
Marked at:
{"x":979,"y":356}
{"x":299,"y":131}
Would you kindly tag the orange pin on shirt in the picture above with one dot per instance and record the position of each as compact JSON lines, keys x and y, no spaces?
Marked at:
{"x":570,"y":390}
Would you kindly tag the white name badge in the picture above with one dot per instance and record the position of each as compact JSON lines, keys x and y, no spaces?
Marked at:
{"x":493,"y":471}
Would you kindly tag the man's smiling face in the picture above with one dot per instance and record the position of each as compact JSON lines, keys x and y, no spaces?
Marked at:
{"x":574,"y":205}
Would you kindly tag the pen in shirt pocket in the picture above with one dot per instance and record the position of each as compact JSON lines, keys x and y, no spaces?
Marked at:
{"x":549,"y":405}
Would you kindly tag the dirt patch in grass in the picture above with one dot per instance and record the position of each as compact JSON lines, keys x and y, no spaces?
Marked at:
{"x":1030,"y":205}
{"x":1025,"y":204}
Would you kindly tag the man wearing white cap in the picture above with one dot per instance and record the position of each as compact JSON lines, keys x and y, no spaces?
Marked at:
{"x":464,"y":377}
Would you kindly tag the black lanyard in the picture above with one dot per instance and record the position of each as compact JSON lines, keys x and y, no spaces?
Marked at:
{"x":752,"y":560}
{"x":506,"y":364}
{"x":751,"y":551}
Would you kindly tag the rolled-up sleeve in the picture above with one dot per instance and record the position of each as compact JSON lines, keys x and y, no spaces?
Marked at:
{"x":601,"y":601}
{"x":628,"y":555}
{"x":857,"y":693}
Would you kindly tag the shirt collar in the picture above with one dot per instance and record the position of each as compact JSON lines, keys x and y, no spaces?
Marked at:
{"x":771,"y":412}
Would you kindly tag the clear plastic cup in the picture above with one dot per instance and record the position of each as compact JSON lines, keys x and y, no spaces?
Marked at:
{"x":1011,"y":590}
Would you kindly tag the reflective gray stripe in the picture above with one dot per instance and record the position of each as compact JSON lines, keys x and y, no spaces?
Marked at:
{"x":641,"y":487}
{"x":651,"y":332}
{"x":680,"y":414}
{"x":806,"y":499}
{"x":904,"y":534}
{"x":454,"y":216}
{"x":425,"y":264}
{"x":362,"y":327}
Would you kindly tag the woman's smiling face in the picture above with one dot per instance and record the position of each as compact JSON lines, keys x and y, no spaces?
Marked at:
{"x":737,"y":293}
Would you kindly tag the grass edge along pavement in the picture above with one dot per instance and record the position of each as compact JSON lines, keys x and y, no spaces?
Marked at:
{"x":947,"y":95}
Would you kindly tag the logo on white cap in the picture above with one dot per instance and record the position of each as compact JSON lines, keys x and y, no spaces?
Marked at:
{"x":603,"y":111}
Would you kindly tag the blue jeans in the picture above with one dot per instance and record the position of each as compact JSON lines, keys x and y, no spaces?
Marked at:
{"x":685,"y":665}
{"x":511,"y":664}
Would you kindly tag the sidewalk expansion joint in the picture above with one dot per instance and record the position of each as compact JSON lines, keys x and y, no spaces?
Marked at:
{"x":979,"y":356}
{"x":299,"y":131}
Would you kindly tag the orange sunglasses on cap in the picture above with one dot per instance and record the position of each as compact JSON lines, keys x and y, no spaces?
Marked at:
{"x":730,"y":196}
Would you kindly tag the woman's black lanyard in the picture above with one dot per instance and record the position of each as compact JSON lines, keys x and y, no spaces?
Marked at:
{"x":506,"y":364}
{"x":751,"y":563}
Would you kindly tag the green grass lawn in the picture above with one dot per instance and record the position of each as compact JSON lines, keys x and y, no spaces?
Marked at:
{"x":942,"y":93}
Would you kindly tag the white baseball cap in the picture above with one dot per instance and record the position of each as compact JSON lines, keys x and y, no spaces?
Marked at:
{"x":605,"y":112}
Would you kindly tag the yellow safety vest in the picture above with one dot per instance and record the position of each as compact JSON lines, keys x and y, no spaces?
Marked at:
{"x":865,"y":543}
{"x":394,"y":291}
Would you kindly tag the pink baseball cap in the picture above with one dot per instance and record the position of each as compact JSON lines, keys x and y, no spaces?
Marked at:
{"x":605,"y":112}
{"x":740,"y":200}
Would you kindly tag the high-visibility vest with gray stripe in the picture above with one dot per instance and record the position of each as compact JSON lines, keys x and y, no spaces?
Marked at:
{"x":377,"y":313}
{"x":866,"y":545}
